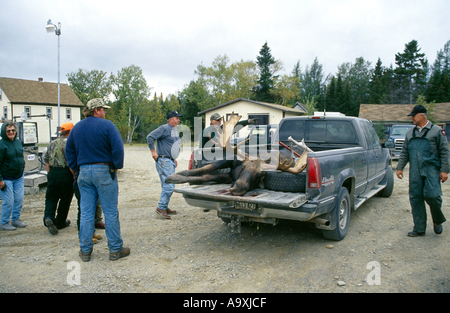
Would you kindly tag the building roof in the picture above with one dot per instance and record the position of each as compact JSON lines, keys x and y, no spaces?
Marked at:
{"x":21,"y":91}
{"x":270,"y":105}
{"x":399,"y":112}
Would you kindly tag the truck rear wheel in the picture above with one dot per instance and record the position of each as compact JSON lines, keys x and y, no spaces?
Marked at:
{"x":387,"y":191}
{"x":342,"y":215}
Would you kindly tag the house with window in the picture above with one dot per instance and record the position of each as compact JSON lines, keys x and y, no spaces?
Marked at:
{"x":37,"y":101}
{"x":266,"y":113}
{"x":394,"y":114}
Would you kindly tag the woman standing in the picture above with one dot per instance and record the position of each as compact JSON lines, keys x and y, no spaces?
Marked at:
{"x":12,"y":167}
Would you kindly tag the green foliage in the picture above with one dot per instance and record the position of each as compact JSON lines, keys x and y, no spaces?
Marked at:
{"x":136,"y":113}
{"x":265,"y":62}
{"x":410,"y":72}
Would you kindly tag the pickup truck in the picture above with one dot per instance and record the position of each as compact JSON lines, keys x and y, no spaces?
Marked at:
{"x":347,"y":167}
{"x":396,"y":139}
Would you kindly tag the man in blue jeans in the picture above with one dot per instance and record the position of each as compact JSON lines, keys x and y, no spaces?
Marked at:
{"x":96,"y":149}
{"x":165,"y":155}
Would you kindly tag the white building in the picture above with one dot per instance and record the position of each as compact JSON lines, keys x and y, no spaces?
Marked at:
{"x":36,"y":100}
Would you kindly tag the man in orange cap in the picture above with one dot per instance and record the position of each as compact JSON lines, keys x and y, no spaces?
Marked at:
{"x":59,"y":183}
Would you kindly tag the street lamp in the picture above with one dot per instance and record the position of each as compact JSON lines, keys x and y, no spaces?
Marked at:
{"x":57,"y":29}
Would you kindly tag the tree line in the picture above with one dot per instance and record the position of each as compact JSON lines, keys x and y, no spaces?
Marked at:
{"x":136,"y":111}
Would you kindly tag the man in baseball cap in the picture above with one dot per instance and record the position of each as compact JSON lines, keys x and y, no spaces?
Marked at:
{"x":418,"y":109}
{"x":97,"y":103}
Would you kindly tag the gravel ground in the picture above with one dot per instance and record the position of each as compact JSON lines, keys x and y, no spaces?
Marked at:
{"x":195,"y":251}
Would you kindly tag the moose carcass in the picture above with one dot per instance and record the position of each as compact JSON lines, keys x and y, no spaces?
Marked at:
{"x":246,"y":173}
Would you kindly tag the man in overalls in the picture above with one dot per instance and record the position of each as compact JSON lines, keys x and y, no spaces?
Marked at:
{"x":427,"y":151}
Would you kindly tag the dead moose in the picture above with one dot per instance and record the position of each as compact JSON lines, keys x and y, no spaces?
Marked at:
{"x":246,"y":173}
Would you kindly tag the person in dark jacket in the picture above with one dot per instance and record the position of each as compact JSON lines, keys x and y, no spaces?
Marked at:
{"x":12,"y":166}
{"x":426,"y":149}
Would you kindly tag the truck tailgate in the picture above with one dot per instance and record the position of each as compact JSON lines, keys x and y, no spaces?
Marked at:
{"x":261,"y":197}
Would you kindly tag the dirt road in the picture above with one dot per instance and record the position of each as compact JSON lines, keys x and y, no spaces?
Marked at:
{"x":195,"y":252}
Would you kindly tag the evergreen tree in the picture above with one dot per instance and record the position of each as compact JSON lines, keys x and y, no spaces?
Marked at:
{"x":330,"y":100}
{"x":438,"y":88}
{"x":378,"y":88}
{"x":265,"y":60}
{"x":410,"y":72}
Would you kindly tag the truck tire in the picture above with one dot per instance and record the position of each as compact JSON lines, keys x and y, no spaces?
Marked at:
{"x":284,"y":181}
{"x":387,"y":191}
{"x":342,"y":215}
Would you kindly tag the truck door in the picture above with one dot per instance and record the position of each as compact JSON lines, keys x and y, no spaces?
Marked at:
{"x":375,"y":160}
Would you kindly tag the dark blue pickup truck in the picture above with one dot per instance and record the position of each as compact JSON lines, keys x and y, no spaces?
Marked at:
{"x":346,"y":167}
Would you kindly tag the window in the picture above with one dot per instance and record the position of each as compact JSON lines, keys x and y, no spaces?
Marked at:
{"x":263,"y":119}
{"x":49,"y":113}
{"x":0,"y":93}
{"x":28,"y":112}
{"x":68,"y":114}
{"x":5,"y":112}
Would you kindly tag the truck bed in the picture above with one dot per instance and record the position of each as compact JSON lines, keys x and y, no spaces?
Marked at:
{"x":262,"y":197}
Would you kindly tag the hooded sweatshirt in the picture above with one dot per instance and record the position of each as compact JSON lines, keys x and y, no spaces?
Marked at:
{"x":12,"y":163}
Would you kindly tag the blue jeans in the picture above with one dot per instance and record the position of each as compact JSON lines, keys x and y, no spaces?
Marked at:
{"x":94,"y":181}
{"x":12,"y":199}
{"x":165,"y":168}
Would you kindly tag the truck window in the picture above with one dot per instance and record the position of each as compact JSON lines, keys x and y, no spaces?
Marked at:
{"x":296,"y":129}
{"x":331,"y":132}
{"x":328,"y":131}
{"x":372,"y":139}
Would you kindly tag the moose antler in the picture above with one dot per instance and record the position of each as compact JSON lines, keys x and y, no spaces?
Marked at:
{"x":299,"y":166}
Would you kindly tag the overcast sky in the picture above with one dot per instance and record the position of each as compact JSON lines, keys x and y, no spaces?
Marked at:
{"x":168,"y":39}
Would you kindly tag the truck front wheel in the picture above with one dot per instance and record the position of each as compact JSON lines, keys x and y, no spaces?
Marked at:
{"x":341,"y":214}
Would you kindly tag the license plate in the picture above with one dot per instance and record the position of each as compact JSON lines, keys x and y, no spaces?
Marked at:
{"x":245,"y":206}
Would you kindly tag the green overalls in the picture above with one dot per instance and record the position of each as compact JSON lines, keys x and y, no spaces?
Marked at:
{"x":424,"y":182}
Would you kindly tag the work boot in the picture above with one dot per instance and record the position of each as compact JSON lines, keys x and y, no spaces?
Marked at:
{"x":50,"y":226}
{"x":415,"y":234}
{"x":438,"y":229}
{"x":85,"y":257}
{"x":163,"y":213}
{"x":120,"y":254}
{"x":66,"y":224}
{"x":169,"y":211}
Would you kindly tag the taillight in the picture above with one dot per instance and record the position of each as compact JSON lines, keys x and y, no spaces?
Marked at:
{"x":314,"y":174}
{"x":191,"y":162}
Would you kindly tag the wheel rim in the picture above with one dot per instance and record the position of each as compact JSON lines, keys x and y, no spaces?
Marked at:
{"x":343,"y":214}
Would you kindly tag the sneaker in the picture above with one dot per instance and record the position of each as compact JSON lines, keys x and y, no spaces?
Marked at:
{"x":50,"y":226}
{"x":7,"y":226}
{"x":120,"y":254}
{"x":18,"y":223}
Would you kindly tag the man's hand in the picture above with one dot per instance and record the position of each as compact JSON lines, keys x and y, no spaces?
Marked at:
{"x":154,"y":155}
{"x":253,"y":121}
{"x":400,"y":174}
{"x":444,"y":176}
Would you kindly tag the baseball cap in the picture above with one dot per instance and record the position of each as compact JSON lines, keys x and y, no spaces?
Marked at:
{"x":418,"y":109}
{"x":66,"y":126}
{"x":96,"y":103}
{"x":173,"y":114}
{"x":215,"y":117}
